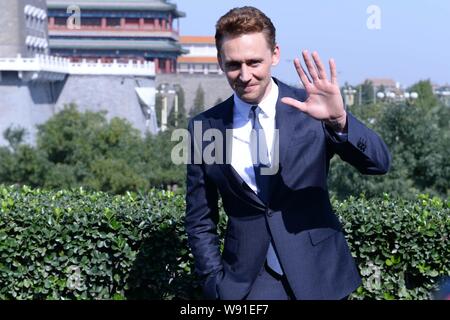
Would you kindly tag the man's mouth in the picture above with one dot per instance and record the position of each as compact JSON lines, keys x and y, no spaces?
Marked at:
{"x":248,"y":88}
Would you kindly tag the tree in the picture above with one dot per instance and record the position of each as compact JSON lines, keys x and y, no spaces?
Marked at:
{"x":426,"y":98}
{"x":179,"y":120}
{"x":84,"y":149}
{"x":199,"y":102}
{"x":76,"y":149}
{"x":420,"y":149}
{"x":365,"y":90}
{"x":158,"y":107}
{"x":157,"y":162}
{"x":14,"y":136}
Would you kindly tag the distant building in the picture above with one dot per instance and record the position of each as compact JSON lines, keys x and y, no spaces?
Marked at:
{"x":443,"y":93}
{"x":389,"y":89}
{"x":34,"y":85}
{"x":202,"y":56}
{"x":123,"y":30}
{"x":24,"y":28}
{"x":386,"y":83}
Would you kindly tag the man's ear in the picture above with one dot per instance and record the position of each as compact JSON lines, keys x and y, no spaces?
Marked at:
{"x":276,"y":55}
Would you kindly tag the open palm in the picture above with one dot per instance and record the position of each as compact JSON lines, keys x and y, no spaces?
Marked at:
{"x":324,"y":101}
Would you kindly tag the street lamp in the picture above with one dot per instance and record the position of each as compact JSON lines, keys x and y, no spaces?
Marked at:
{"x":390,"y":96}
{"x":380,"y":95}
{"x":166,"y":90}
{"x":349,"y":93}
{"x":410,"y":97}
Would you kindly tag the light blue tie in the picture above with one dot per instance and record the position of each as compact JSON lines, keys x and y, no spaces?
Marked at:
{"x":260,"y":160}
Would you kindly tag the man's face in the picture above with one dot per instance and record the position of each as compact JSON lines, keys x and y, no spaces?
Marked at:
{"x":246,"y":61}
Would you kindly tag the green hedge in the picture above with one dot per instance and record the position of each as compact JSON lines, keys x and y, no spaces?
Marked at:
{"x":80,"y":245}
{"x":402,"y":247}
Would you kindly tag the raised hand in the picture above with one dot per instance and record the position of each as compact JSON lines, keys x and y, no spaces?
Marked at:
{"x":324,"y":100}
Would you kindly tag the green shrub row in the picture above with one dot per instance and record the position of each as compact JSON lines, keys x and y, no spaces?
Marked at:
{"x":402,"y":247}
{"x":92,"y":245}
{"x":80,"y":245}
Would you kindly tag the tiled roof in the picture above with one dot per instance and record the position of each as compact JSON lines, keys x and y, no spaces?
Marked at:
{"x":197,"y":60}
{"x":197,"y":39}
{"x":115,"y":44}
{"x":156,"y":5}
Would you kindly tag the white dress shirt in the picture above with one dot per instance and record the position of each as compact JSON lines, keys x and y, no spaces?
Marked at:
{"x":241,"y":159}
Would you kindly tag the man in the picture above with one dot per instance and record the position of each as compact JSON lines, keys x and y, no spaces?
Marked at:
{"x":283,"y":240}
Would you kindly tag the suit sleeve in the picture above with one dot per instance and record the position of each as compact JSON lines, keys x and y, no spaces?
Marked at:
{"x":201,"y":219}
{"x":362,"y":148}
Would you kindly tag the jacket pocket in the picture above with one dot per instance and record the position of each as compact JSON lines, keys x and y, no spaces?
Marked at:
{"x":319,"y":235}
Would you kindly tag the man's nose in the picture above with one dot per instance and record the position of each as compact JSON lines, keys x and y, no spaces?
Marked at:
{"x":245,"y":74}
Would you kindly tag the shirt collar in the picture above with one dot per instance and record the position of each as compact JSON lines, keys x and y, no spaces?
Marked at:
{"x":267,"y":105}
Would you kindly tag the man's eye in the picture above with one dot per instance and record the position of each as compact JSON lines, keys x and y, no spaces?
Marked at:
{"x":233,"y":66}
{"x":254,"y":63}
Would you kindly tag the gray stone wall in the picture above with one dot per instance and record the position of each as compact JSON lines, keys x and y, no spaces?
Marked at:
{"x":27,"y":104}
{"x":114,"y":94}
{"x":24,"y":105}
{"x":215,"y":87}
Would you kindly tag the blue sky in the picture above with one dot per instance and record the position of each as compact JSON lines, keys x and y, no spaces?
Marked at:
{"x":412,"y":44}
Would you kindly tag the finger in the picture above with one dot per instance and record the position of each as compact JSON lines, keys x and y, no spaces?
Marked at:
{"x":301,"y":73}
{"x":319,"y":65}
{"x":333,"y":72}
{"x":311,"y":69}
{"x":295,"y":103}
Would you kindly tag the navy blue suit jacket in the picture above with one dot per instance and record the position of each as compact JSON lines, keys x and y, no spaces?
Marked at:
{"x":298,"y":216}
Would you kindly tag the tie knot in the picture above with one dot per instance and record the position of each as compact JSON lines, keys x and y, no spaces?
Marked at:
{"x":254,"y":111}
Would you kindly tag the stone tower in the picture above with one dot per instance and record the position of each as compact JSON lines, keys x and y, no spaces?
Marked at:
{"x":24,"y":28}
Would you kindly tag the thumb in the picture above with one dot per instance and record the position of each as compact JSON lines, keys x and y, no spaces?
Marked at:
{"x":295,"y":103}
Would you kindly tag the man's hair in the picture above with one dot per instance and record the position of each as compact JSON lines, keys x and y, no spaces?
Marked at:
{"x":244,"y":20}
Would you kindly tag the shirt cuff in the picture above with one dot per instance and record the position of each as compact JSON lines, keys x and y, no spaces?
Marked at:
{"x":342,"y":136}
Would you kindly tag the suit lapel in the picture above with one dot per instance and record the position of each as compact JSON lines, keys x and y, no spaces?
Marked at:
{"x":286,"y":118}
{"x":223,"y":121}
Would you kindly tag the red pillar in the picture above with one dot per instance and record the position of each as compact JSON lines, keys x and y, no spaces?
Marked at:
{"x":103,"y":23}
{"x":156,"y":62}
{"x":51,"y":22}
{"x":157,"y":26}
{"x":167,"y":66}
{"x":122,"y":23}
{"x":164,"y":25}
{"x":141,"y":23}
{"x":151,"y":23}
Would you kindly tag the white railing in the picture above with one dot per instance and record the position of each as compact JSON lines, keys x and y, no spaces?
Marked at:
{"x":43,"y":63}
{"x":99,"y":68}
{"x":201,"y":51}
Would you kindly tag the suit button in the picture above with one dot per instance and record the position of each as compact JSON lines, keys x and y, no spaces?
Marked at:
{"x":361,"y":144}
{"x":269,"y":212}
